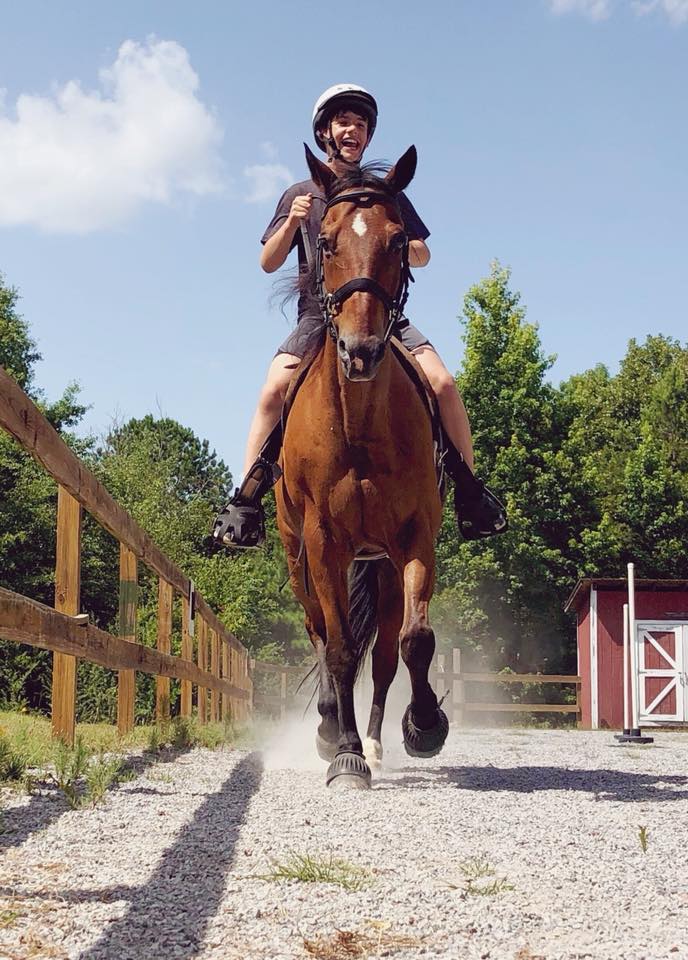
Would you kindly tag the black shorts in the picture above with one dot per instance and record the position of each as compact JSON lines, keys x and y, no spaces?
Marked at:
{"x":308,"y":328}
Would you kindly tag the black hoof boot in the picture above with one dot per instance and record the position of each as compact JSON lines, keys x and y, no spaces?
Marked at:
{"x":348,"y":771}
{"x":424,"y":743}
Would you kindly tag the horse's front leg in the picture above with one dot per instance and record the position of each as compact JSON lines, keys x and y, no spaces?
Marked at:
{"x":329,"y":567}
{"x":385,"y":657}
{"x":424,"y":725}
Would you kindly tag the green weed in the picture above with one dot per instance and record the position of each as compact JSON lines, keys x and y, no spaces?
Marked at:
{"x":82,"y":778}
{"x":477,"y":868}
{"x":12,"y":763}
{"x":309,"y":869}
{"x":643,"y":837}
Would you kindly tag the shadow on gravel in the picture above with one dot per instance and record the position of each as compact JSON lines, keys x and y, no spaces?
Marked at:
{"x":169,"y":915}
{"x":603,"y":784}
{"x":45,"y":808}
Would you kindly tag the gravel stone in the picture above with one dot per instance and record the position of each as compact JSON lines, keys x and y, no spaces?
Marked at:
{"x":171,"y":864}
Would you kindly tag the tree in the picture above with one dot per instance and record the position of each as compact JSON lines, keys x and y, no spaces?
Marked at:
{"x":28,"y":497}
{"x":507,"y":592}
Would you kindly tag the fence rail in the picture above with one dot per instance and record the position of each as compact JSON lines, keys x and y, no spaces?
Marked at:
{"x":64,"y":631}
{"x":445,"y":670}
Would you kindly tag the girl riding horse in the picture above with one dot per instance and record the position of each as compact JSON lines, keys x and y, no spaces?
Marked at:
{"x":344,"y":120}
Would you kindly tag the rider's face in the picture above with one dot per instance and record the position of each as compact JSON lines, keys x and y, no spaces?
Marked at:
{"x":350,"y":132}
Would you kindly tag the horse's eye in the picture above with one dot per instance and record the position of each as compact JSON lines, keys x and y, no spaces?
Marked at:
{"x":397,"y":241}
{"x":327,"y":246}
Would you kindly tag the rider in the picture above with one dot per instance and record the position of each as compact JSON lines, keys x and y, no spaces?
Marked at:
{"x":344,"y":121}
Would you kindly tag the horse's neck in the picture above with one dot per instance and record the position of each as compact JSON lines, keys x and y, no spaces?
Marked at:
{"x":360,"y":408}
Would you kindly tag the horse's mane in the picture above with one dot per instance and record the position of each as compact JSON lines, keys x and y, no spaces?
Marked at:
{"x":368,"y":175}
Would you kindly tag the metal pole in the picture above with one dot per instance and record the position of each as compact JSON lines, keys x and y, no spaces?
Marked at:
{"x":626,"y":705}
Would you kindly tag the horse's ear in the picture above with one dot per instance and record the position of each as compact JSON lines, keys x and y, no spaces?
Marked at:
{"x":403,"y":170}
{"x":321,"y":173}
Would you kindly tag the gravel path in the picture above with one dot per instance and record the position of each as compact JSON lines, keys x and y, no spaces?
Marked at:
{"x":168,"y":866}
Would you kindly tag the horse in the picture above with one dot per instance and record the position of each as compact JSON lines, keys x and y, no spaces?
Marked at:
{"x":359,"y":479}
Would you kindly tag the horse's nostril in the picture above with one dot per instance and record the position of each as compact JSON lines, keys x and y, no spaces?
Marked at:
{"x":341,"y":345}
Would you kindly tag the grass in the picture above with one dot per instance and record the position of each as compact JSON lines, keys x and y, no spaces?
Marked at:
{"x":311,"y":869}
{"x":30,"y":757}
{"x":476,"y":869}
{"x":31,"y":737}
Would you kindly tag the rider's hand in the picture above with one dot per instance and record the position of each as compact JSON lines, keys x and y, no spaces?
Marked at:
{"x":300,"y":208}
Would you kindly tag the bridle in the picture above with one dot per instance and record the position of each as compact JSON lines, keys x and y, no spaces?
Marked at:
{"x":331,"y":303}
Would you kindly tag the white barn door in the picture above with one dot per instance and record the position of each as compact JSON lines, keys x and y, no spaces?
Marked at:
{"x":662,"y":658}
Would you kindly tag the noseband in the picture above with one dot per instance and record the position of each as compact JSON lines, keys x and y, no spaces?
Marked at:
{"x":331,"y":303}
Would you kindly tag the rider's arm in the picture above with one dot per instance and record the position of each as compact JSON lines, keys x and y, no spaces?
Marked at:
{"x":276,"y":249}
{"x":419,"y":253}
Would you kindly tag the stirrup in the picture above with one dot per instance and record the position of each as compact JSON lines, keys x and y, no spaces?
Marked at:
{"x":478,"y":511}
{"x":242,"y":521}
{"x":480,"y":514}
{"x":240,"y":524}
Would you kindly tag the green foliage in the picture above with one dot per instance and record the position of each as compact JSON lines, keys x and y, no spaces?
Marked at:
{"x":82,"y":778}
{"x":12,"y":763}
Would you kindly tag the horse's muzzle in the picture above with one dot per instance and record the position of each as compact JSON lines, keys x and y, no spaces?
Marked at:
{"x":360,"y":356}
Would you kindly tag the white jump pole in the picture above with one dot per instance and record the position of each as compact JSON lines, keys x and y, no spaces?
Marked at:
{"x":632,"y":630}
{"x":626,"y":704}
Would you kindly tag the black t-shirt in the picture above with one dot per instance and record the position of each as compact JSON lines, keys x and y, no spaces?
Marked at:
{"x":308,"y":304}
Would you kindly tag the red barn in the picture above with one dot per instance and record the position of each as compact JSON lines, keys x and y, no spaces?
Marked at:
{"x":661,"y":638}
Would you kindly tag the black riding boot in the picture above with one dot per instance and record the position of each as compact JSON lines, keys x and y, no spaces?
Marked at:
{"x":242,"y":522}
{"x":479,"y":512}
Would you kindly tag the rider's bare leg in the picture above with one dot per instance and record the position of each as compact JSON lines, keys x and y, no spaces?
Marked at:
{"x":269,"y":405}
{"x":453,"y":413}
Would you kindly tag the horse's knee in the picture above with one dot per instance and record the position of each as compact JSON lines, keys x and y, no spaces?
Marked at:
{"x":417,"y":645}
{"x":327,"y":703}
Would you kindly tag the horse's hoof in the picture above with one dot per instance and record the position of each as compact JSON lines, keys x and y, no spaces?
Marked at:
{"x":424,"y":743}
{"x":372,"y":751}
{"x":348,"y":771}
{"x":326,"y":750}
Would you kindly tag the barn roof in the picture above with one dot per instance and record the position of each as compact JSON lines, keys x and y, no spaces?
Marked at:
{"x":580,"y":591}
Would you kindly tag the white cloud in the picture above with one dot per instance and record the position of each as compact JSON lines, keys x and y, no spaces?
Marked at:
{"x":79,"y":161}
{"x":267,"y":179}
{"x":675,"y":10}
{"x":593,"y":9}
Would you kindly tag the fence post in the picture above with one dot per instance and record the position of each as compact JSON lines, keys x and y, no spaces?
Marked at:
{"x":185,"y":706}
{"x":126,"y":679}
{"x":458,"y":693}
{"x":579,"y":718}
{"x":225,"y":676}
{"x":283,"y":694}
{"x":67,"y":599}
{"x":202,"y":665}
{"x":215,"y":670}
{"x":162,"y":684}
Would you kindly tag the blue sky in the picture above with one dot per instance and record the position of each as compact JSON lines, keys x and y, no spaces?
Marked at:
{"x":143,"y":146}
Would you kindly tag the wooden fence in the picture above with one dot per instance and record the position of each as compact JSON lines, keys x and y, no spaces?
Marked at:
{"x":221,"y":671}
{"x":446,"y":677}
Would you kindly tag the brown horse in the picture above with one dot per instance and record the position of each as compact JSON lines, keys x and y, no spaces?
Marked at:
{"x":359,"y":478}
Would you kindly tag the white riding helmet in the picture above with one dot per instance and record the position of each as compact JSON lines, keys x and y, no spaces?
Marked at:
{"x":340,"y":95}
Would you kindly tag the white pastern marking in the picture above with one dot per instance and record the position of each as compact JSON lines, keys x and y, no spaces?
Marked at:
{"x":359,"y":225}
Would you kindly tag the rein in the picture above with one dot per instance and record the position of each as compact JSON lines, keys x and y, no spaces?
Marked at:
{"x":331,"y":303}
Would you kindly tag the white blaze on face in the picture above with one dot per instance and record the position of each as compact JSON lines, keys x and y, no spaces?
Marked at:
{"x":359,"y":225}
